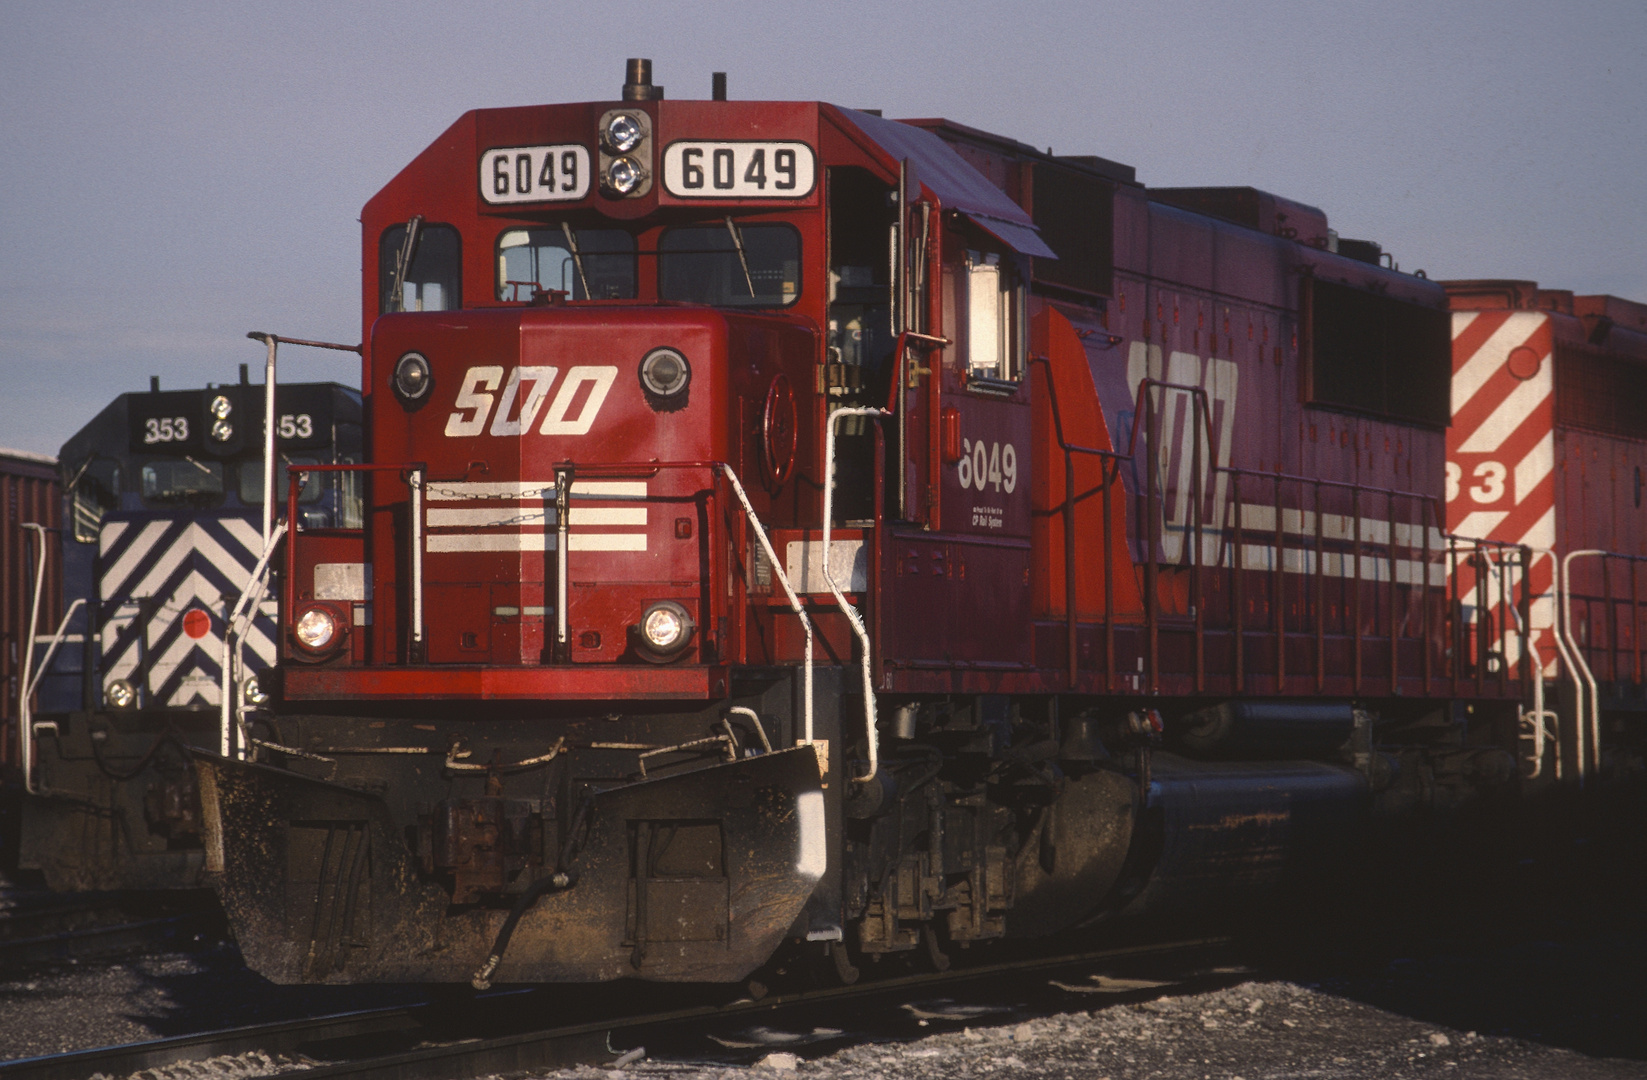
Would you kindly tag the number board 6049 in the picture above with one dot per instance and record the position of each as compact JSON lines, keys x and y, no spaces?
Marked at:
{"x":738,"y":170}
{"x":529,"y":174}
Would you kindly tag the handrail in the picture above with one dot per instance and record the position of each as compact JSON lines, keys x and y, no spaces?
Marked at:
{"x":23,"y":733}
{"x":30,"y":678}
{"x":416,"y":480}
{"x":1541,"y":733}
{"x":611,"y":468}
{"x":1071,"y":623}
{"x":1228,"y":533}
{"x":1590,"y":762}
{"x":234,"y":631}
{"x":846,"y":608}
{"x":789,"y":591}
{"x":273,"y":341}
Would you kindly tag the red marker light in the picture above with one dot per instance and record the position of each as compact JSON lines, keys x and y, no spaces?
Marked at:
{"x":196,"y":623}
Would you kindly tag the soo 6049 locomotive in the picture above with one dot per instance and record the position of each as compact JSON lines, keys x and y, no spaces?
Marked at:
{"x":790,"y":527}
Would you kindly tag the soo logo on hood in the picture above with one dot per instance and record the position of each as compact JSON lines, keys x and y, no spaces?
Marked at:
{"x":584,"y":388}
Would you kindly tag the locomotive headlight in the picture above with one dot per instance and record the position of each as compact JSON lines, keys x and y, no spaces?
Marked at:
{"x":623,"y":175}
{"x":315,"y":629}
{"x":252,"y":692}
{"x":120,"y":694}
{"x":623,"y":133}
{"x":221,"y":407}
{"x":665,"y":372}
{"x":664,"y":630}
{"x":412,"y":378}
{"x":222,"y":430}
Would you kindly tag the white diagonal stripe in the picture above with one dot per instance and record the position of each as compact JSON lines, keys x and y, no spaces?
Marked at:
{"x":113,"y":582}
{"x":1490,"y":357}
{"x":1509,"y":413}
{"x":1531,"y":470}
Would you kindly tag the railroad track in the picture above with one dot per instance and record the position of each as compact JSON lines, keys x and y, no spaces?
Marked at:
{"x":42,"y":927}
{"x":435,"y":1041}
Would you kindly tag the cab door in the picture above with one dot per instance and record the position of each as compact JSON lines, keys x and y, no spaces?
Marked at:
{"x":961,"y":582}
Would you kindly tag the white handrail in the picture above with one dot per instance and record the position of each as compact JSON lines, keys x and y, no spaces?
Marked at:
{"x":241,"y":617}
{"x":789,"y":591}
{"x":1590,"y":762}
{"x":415,"y":482}
{"x":269,"y":438}
{"x":25,"y":734}
{"x":1567,"y":663}
{"x":1539,"y":714}
{"x":847,"y":609}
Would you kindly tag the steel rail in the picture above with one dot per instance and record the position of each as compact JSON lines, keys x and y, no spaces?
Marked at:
{"x":591,"y":1042}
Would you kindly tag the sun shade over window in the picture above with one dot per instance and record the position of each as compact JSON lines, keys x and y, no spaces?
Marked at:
{"x":701,"y":264}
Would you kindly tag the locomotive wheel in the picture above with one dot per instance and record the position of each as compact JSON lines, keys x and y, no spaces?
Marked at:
{"x":845,"y":971}
{"x":935,"y":955}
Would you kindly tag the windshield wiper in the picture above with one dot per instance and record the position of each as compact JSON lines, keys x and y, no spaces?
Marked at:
{"x":737,"y":241}
{"x":403,"y":264}
{"x":577,"y":258}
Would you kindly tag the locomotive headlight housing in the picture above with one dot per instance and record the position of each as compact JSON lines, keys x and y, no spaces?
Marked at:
{"x":665,"y":373}
{"x":318,"y":629}
{"x":221,"y":407}
{"x":665,"y":629}
{"x":623,"y":133}
{"x":222,"y":430}
{"x":626,"y":159}
{"x":624,"y":175}
{"x":120,"y":694}
{"x":412,"y":377}
{"x":252,"y":692}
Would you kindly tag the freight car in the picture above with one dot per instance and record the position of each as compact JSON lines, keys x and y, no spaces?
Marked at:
{"x":161,"y":499}
{"x":787,"y":528}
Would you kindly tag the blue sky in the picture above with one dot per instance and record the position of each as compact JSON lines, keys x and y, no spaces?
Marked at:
{"x":174,"y":175}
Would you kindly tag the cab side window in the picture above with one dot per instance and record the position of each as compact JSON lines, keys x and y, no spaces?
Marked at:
{"x":994,"y":317}
{"x":420,"y":268}
{"x":94,"y":490}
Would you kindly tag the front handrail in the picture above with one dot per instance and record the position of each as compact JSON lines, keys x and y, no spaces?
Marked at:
{"x":846,"y":608}
{"x":416,"y":473}
{"x":234,"y":633}
{"x":566,"y":472}
{"x":30,"y":677}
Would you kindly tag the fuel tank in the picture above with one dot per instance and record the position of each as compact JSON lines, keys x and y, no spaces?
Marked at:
{"x":1224,"y":833}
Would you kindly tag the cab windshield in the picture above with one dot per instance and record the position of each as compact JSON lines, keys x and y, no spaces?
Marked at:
{"x":730,"y":265}
{"x":251,"y":481}
{"x":182,"y":482}
{"x":583,"y":263}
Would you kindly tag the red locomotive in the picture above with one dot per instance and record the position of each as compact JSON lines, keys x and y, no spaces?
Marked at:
{"x":788,"y":527}
{"x":1546,"y":450}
